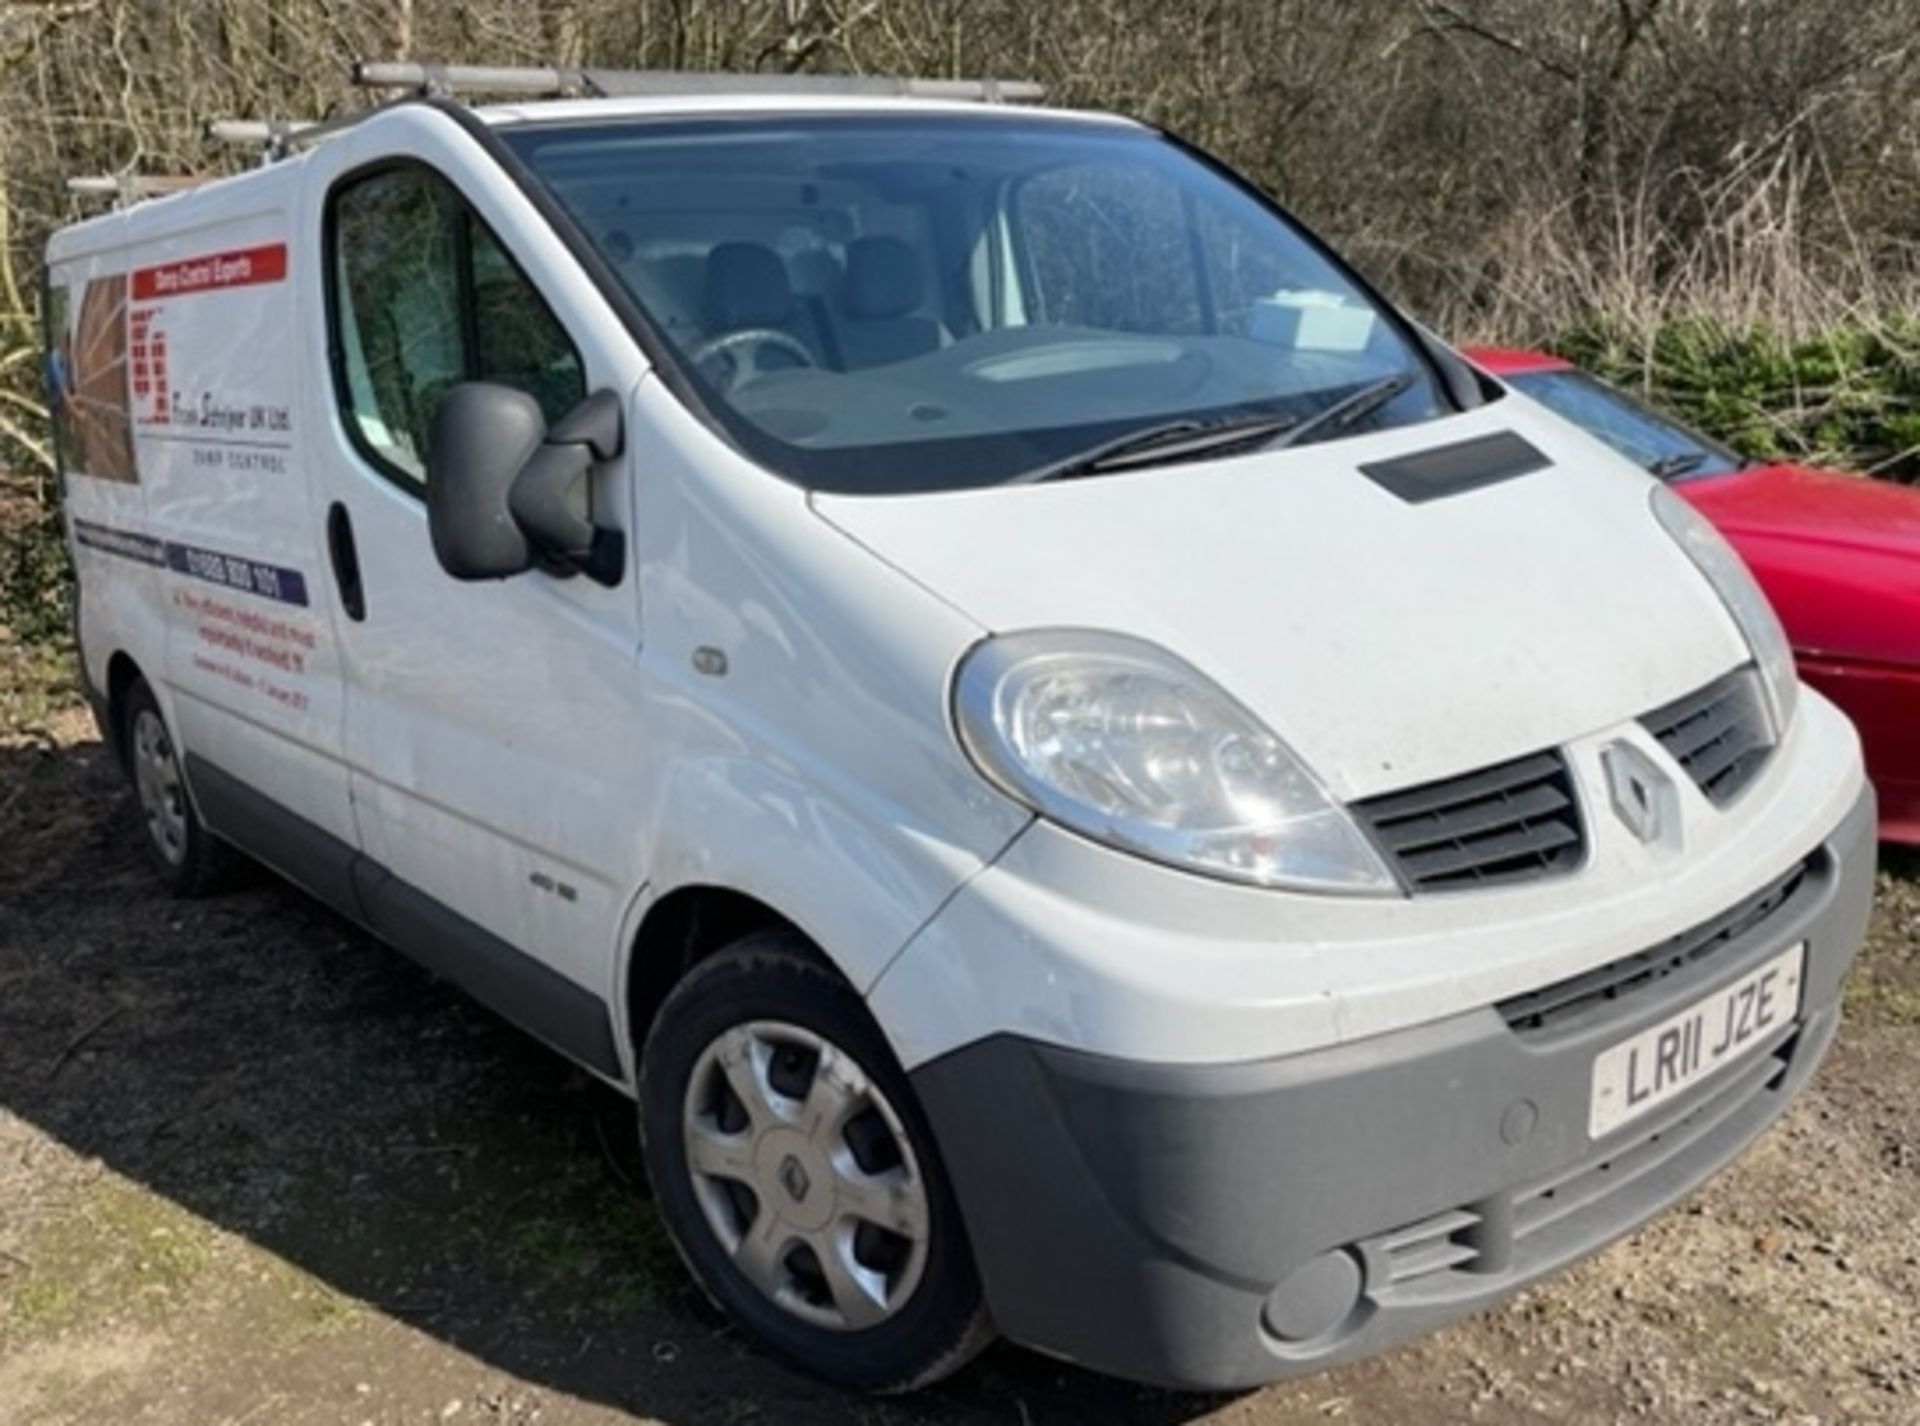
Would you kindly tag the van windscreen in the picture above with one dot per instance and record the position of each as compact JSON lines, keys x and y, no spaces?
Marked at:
{"x":880,"y":305}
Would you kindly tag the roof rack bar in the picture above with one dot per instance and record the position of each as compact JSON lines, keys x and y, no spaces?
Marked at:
{"x":256,"y":131}
{"x":276,"y":136}
{"x":552,"y":81}
{"x":279,"y":137}
{"x":134,"y":185}
{"x":448,"y":79}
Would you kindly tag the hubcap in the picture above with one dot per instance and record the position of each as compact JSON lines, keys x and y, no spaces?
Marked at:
{"x":156,"y":777}
{"x":805,"y":1174}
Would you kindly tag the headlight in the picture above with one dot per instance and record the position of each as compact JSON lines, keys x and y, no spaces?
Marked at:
{"x":1734,"y":583}
{"x":1125,"y":744}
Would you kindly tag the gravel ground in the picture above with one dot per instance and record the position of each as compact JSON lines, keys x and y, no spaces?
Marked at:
{"x":255,"y":1168}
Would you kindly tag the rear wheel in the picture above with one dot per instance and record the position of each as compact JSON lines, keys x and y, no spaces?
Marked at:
{"x":190,"y":859}
{"x":797,"y":1174}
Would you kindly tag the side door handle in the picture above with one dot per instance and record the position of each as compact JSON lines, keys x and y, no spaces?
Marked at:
{"x":346,"y":562}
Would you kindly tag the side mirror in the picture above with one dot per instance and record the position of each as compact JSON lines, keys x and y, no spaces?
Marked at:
{"x":481,"y":437}
{"x":500,"y":484}
{"x":541,"y":498}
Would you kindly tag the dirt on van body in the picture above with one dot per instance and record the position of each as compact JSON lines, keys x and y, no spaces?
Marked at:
{"x":254,"y":1168}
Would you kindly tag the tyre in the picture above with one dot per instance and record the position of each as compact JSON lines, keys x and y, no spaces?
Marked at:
{"x":797,"y":1174}
{"x":190,"y":859}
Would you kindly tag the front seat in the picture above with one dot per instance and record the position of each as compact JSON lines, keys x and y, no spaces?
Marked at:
{"x":747,"y":287}
{"x":880,"y":305}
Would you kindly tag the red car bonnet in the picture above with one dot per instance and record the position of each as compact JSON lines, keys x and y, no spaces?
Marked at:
{"x":1839,"y":556}
{"x":1841,"y":552}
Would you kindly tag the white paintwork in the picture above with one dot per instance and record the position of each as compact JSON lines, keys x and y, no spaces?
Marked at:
{"x":490,"y":734}
{"x":1332,"y":608}
{"x":489,"y":726}
{"x":1073,"y":944}
{"x":223,"y":471}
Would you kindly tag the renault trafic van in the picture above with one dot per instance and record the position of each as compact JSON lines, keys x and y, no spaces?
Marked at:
{"x":1093,"y":780}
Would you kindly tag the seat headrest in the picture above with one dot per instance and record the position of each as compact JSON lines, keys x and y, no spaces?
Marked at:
{"x":816,"y":272}
{"x":746,"y":286}
{"x":883,"y":279}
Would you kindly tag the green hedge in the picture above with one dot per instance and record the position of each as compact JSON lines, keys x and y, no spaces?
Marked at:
{"x":1849,"y":397}
{"x":34,"y":575}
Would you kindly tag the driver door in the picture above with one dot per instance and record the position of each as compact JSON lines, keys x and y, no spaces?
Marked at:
{"x":491,"y":728}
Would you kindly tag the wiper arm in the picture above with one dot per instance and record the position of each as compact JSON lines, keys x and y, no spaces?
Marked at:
{"x":1348,"y":409}
{"x":1677,"y":464}
{"x":1168,"y":441}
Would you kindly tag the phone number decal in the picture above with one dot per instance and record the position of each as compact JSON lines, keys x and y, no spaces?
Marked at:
{"x":269,"y":581}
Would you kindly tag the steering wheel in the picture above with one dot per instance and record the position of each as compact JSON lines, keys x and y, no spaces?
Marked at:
{"x":742,"y":348}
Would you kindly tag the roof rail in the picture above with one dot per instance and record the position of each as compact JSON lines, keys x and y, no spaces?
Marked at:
{"x":551,"y":81}
{"x":278,"y":137}
{"x":125,"y":186}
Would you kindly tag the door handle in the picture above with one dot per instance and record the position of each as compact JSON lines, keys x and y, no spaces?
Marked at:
{"x":346,"y":562}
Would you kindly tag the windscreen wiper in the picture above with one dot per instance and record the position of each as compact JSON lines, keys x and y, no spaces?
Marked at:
{"x":1153,"y":445}
{"x":1677,"y":464}
{"x":1347,"y":410}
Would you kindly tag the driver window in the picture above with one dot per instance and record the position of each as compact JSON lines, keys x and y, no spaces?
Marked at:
{"x":424,"y":297}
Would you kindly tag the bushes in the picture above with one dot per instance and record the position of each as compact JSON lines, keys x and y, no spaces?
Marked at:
{"x":1849,"y":396}
{"x":34,"y":577}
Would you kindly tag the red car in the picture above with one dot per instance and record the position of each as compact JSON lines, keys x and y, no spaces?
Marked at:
{"x":1838,"y":555}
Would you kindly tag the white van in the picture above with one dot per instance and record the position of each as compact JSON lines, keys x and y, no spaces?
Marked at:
{"x":1093,"y":780}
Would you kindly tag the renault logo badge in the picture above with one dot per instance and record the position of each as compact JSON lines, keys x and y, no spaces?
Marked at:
{"x":1643,"y":796}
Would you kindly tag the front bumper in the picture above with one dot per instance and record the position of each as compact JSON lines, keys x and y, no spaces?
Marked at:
{"x":1218,"y":1226}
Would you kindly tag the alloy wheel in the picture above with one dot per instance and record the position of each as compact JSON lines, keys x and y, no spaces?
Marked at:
{"x":805,"y":1173}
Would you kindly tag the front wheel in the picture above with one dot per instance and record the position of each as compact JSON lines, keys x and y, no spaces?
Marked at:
{"x":797,"y":1174}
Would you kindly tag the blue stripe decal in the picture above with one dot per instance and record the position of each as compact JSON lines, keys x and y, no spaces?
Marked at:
{"x":268,"y":581}
{"x":142,"y":549}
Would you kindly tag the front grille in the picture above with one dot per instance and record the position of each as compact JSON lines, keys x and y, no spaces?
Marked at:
{"x":1516,"y":822}
{"x":1443,"y":1243}
{"x":1612,"y":989}
{"x":1721,"y":734}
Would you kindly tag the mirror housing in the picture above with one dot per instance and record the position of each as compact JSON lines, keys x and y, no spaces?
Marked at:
{"x":499,"y":484}
{"x":587,"y":435}
{"x":481,"y":437}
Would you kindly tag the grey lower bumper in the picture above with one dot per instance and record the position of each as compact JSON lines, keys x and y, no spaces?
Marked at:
{"x":1217,"y":1227}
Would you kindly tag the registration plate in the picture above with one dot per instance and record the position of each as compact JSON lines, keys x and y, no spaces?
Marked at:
{"x":1638,"y":1075}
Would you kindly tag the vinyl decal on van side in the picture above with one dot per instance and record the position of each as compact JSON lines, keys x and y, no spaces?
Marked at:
{"x":142,"y":549}
{"x":159,"y":406}
{"x":87,"y":380}
{"x":242,"y":267}
{"x":268,"y":581}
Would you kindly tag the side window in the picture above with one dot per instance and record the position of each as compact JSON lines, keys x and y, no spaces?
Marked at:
{"x":517,"y":341}
{"x":425,"y":298}
{"x":397,"y":296}
{"x":1107,"y":246}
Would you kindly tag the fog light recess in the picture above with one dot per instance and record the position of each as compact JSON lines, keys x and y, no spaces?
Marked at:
{"x":1315,"y":1300}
